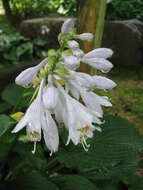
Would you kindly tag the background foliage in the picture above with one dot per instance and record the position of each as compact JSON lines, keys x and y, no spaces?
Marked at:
{"x":14,"y":47}
{"x":125,"y":9}
{"x":33,"y":8}
{"x":117,"y":9}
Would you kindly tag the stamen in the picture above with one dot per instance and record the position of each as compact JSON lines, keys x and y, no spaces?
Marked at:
{"x":68,"y":141}
{"x":51,"y":153}
{"x":34,"y":148}
{"x":87,"y":145}
{"x":86,"y":149}
{"x":62,"y":82}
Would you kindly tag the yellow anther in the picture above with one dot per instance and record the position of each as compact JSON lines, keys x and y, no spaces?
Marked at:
{"x":33,"y":134}
{"x":62,"y":82}
{"x":84,"y":129}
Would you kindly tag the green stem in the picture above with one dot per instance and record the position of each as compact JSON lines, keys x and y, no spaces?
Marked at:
{"x":100,"y":24}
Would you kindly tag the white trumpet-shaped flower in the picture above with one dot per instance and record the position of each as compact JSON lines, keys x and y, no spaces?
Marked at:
{"x":78,"y":53}
{"x":50,"y":132}
{"x":95,"y":102}
{"x":99,"y":64}
{"x":37,"y":118}
{"x":72,"y":90}
{"x":71,"y":62}
{"x":84,"y":36}
{"x":32,"y":118}
{"x":78,"y":120}
{"x":67,"y":26}
{"x":58,"y":112}
{"x":99,"y":53}
{"x":50,"y":95}
{"x":26,"y":77}
{"x":83,"y":79}
{"x":103,"y":83}
{"x":89,"y":82}
{"x":81,"y":91}
{"x":72,"y":44}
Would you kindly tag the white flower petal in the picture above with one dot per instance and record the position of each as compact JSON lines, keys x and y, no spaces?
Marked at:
{"x":83,"y":79}
{"x":50,"y":97}
{"x":78,"y":53}
{"x":77,"y":119}
{"x":58,"y":111}
{"x":99,"y":53}
{"x":104,"y":83}
{"x":26,"y":77}
{"x":50,"y":132}
{"x":94,"y":102}
{"x":74,"y":92}
{"x":70,"y":61}
{"x":21,"y":124}
{"x":73,"y":44}
{"x":104,"y":101}
{"x":84,"y":36}
{"x":32,"y":116}
{"x":91,"y":101}
{"x":99,"y":64}
{"x":67,"y":26}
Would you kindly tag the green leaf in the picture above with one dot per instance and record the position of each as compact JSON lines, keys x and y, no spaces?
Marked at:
{"x":38,"y":161}
{"x":11,"y":56}
{"x":26,"y":47}
{"x":17,"y":96}
{"x":109,"y":184}
{"x":135,"y":182}
{"x":70,"y":182}
{"x":5,"y":123}
{"x":12,"y":93}
{"x":40,"y":41}
{"x":4,"y":106}
{"x":32,"y":181}
{"x":113,"y":152}
{"x":6,"y":143}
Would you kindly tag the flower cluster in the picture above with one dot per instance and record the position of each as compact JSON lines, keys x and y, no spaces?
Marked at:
{"x":65,"y":95}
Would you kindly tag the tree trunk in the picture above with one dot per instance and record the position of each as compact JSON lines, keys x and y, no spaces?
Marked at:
{"x":91,"y":19}
{"x":8,"y":11}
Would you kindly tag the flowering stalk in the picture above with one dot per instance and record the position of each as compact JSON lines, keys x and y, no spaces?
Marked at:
{"x":59,"y":87}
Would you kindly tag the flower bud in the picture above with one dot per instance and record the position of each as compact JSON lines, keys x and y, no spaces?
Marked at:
{"x":67,"y":26}
{"x":73,"y":44}
{"x":84,"y":36}
{"x":50,"y":97}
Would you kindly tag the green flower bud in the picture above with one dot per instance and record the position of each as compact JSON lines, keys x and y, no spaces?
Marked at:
{"x":67,"y":52}
{"x":61,"y":70}
{"x":51,"y":53}
{"x":42,"y":72}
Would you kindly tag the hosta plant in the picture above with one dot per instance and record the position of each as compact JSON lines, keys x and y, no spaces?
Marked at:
{"x":78,"y":147}
{"x":59,"y":89}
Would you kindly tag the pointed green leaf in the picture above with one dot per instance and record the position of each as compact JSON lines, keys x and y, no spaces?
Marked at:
{"x":113,"y":152}
{"x":5,"y":123}
{"x":76,"y":182}
{"x":32,"y":181}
